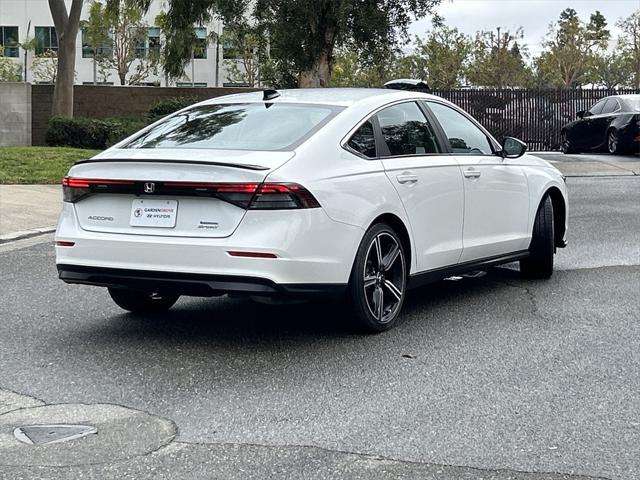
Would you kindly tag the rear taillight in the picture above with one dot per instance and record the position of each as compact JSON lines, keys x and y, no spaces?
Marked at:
{"x":73,"y":189}
{"x":252,"y":196}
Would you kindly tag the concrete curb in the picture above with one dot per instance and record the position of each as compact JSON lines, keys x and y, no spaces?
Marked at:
{"x":10,"y":237}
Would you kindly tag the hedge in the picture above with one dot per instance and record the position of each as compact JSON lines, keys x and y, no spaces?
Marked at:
{"x":101,"y":134}
{"x":90,"y":133}
{"x":169,"y":106}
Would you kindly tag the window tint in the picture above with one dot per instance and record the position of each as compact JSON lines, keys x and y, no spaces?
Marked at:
{"x":364,"y":141}
{"x":9,"y":42}
{"x":406,"y":131}
{"x":250,"y":126}
{"x":200,"y":49}
{"x":463,"y":135}
{"x":597,"y":108}
{"x":632,"y":103}
{"x":611,"y":106}
{"x":46,"y":39}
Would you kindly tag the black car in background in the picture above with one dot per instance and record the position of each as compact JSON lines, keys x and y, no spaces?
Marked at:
{"x":611,"y":125}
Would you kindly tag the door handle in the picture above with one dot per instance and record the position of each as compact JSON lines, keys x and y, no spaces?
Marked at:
{"x":407,"y":178}
{"x":471,"y":173}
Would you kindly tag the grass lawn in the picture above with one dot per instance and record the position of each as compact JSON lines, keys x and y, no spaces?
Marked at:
{"x":38,"y":164}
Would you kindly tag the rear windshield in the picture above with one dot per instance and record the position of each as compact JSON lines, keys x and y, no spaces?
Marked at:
{"x":248,"y":126}
{"x":634,"y":103}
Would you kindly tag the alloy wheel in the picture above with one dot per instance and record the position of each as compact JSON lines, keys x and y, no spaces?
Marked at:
{"x":384,"y":277}
{"x":612,"y":141}
{"x":564,"y":143}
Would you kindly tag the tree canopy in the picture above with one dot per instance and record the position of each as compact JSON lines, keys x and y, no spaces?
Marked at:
{"x":303,"y":34}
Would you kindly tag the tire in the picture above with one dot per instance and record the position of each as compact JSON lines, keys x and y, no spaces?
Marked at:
{"x":565,"y":144}
{"x":539,"y":263}
{"x":614,"y":146}
{"x":136,"y":301}
{"x":378,"y":282}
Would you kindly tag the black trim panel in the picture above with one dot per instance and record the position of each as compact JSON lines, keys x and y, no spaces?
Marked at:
{"x":242,"y":166}
{"x":194,"y":284}
{"x":431,"y":276}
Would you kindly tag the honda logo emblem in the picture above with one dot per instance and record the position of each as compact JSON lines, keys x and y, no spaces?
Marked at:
{"x":149,"y":187}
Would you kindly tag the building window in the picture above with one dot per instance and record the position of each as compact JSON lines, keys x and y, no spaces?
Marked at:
{"x":150,"y":45}
{"x":9,"y":41}
{"x":229,"y":51}
{"x":200,"y":50}
{"x":154,"y":41}
{"x":104,"y":50}
{"x":46,"y":40}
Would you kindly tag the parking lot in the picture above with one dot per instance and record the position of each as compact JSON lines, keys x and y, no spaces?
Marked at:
{"x":492,"y":377}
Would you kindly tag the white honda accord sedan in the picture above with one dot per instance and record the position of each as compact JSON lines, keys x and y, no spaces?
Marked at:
{"x":356,"y":193}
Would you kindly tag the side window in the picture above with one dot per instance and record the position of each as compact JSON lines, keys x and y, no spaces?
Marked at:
{"x":597,"y":108}
{"x":463,"y":135}
{"x":611,"y":106}
{"x":364,"y":141}
{"x":406,"y":131}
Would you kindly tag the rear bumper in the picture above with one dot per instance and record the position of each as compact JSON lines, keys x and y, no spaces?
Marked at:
{"x":201,"y":285}
{"x":310,"y":248}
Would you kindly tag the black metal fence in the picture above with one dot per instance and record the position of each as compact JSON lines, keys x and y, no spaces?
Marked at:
{"x":534,"y":116}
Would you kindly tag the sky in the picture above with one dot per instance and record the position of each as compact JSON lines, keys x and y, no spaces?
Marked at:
{"x":534,"y":16}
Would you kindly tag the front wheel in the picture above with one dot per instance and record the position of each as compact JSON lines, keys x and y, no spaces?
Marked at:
{"x":141,"y":302}
{"x":378,"y":280}
{"x":539,"y":263}
{"x":565,"y":144}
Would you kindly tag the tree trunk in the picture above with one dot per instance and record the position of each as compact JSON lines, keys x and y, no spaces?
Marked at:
{"x":123,"y":78}
{"x":319,"y":74}
{"x":67,"y":25}
{"x":63,"y":91}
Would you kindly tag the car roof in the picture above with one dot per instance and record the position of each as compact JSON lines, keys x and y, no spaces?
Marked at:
{"x":344,"y":97}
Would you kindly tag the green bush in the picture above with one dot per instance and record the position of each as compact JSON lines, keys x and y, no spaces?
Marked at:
{"x":169,"y":106}
{"x":90,"y":133}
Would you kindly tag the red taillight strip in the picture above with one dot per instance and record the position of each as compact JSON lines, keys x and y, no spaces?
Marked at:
{"x":218,"y":187}
{"x":252,"y":254}
{"x":65,"y":243}
{"x":74,"y":182}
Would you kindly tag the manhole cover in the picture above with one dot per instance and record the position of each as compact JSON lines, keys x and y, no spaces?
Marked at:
{"x":46,"y":434}
{"x":123,"y":433}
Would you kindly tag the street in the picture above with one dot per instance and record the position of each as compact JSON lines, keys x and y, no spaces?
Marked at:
{"x":492,"y":377}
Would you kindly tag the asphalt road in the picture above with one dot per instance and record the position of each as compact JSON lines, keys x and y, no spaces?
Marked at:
{"x":492,"y":378}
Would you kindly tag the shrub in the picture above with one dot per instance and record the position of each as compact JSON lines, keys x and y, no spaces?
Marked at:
{"x":169,"y":106}
{"x":90,"y":133}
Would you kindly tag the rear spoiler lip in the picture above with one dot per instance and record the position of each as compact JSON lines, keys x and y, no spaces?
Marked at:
{"x":243,"y":166}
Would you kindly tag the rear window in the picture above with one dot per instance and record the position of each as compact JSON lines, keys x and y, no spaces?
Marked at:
{"x":249,"y":126}
{"x":634,"y":103}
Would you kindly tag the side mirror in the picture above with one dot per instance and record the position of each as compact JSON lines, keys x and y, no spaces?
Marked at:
{"x":513,"y":148}
{"x":580,"y":113}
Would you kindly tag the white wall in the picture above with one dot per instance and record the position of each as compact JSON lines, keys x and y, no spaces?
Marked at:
{"x":20,"y":12}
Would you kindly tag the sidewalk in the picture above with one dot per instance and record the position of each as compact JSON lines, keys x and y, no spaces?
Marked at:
{"x":28,"y":210}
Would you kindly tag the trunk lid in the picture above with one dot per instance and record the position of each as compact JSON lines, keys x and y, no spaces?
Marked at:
{"x":164,"y":194}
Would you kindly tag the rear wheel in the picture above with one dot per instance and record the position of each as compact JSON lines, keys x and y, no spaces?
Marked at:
{"x":137,"y":301}
{"x":539,"y":263}
{"x":378,"y":280}
{"x":613,"y":143}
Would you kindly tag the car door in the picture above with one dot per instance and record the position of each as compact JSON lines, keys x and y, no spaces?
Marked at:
{"x":601,"y":122}
{"x":496,"y":203}
{"x":428,"y":181}
{"x":583,"y":133}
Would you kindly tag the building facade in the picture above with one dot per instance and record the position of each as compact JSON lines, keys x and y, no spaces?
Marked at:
{"x":24,"y":20}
